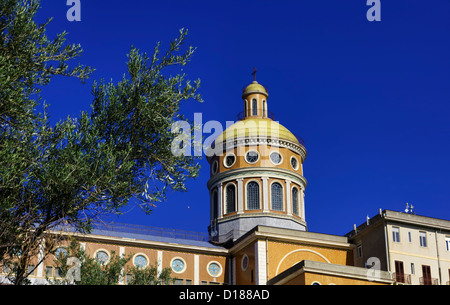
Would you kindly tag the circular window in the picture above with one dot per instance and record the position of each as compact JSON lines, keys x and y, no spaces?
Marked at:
{"x":294,"y":163}
{"x":214,"y":269}
{"x":102,"y":257}
{"x":229,"y":160}
{"x":140,"y":261}
{"x":60,"y":253}
{"x":178,"y":265}
{"x":215,"y":167}
{"x":244,"y":262}
{"x":252,"y":156}
{"x":276,"y":158}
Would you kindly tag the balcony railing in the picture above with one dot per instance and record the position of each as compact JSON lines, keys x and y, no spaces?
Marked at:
{"x":428,"y":281}
{"x":402,"y":278}
{"x":258,"y":113}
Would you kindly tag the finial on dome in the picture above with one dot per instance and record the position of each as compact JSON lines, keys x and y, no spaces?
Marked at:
{"x":254,"y":74}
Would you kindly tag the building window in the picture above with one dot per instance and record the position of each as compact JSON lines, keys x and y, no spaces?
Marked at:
{"x":30,"y":270}
{"x":178,"y":265}
{"x":295,"y":201}
{"x":215,"y":207}
{"x":214,"y":269}
{"x":409,"y":236}
{"x":254,"y":107}
{"x":276,"y":158}
{"x":244,"y":262}
{"x":253,"y":196}
{"x":102,"y":257}
{"x":229,"y":160}
{"x":140,"y":261}
{"x":412,"y":268}
{"x":396,"y":234}
{"x":48,"y":271}
{"x":230,"y":198}
{"x":294,"y":163}
{"x":277,"y":196}
{"x":359,"y":251}
{"x":252,"y":156}
{"x":215,"y":167}
{"x":60,"y":253}
{"x":423,"y":239}
{"x":447,"y":242}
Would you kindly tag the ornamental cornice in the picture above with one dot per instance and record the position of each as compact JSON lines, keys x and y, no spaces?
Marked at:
{"x":263,"y":140}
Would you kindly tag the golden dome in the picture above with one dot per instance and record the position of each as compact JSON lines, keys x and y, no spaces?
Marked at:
{"x":253,"y":127}
{"x":254,"y":87}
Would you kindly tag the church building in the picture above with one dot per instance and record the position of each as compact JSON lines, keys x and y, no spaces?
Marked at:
{"x":258,"y":233}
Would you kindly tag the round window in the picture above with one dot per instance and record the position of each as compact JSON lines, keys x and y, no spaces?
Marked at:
{"x":60,"y":253}
{"x":102,"y":257}
{"x":215,"y":167}
{"x":229,"y":160}
{"x":294,"y":163}
{"x":214,"y":269}
{"x":140,"y":261}
{"x":252,"y":156}
{"x":178,"y":265}
{"x":244,"y":262}
{"x":275,"y":158}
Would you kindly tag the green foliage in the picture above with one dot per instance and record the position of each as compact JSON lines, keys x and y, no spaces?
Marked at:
{"x":149,"y":276}
{"x":94,"y":273}
{"x":93,"y":165}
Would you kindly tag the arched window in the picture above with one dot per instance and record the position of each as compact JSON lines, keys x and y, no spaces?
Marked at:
{"x":254,"y":107}
{"x":264,"y":108}
{"x":215,"y":207}
{"x":277,"y":196}
{"x":253,"y":196}
{"x":295,"y":201}
{"x":231,"y":198}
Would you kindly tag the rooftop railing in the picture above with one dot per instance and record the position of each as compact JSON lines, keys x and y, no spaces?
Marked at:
{"x":153,"y":231}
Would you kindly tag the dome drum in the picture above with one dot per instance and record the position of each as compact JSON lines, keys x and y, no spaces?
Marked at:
{"x":256,"y":173}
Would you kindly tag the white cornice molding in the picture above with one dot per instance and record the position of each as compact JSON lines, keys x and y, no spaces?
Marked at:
{"x":263,"y":140}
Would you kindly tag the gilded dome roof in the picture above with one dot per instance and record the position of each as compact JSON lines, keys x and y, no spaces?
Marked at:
{"x":252,"y":127}
{"x":254,"y":87}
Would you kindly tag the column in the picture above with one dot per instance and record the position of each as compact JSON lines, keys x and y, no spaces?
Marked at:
{"x":159,"y":262}
{"x":302,"y":202}
{"x":240,"y":193}
{"x":265,"y":192}
{"x":121,"y":276}
{"x":219,"y":199}
{"x":196,"y":270}
{"x":288,"y":197}
{"x":40,"y":268}
{"x":260,"y":263}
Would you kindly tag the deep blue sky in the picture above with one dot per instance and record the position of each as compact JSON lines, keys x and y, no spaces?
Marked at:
{"x":370,"y":99}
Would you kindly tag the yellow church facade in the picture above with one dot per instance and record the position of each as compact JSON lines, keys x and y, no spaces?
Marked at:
{"x":258,"y":230}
